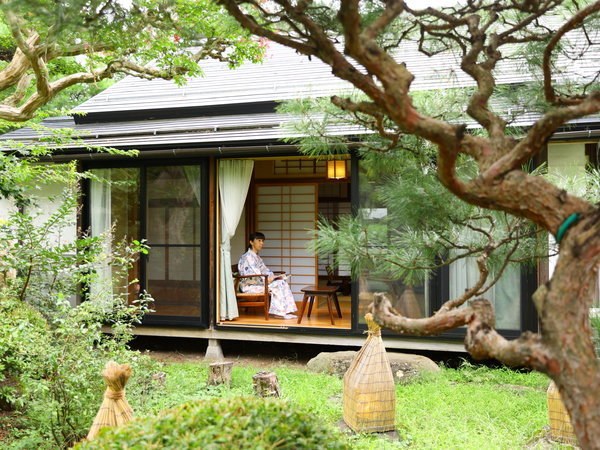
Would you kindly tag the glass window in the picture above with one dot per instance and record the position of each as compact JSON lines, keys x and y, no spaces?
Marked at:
{"x":416,"y":300}
{"x":114,"y":212}
{"x":412,"y":300}
{"x":505,"y":295}
{"x":173,"y":215}
{"x":172,"y":229}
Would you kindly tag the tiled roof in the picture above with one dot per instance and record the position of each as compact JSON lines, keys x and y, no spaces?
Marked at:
{"x":217,"y":100}
{"x":285,"y":74}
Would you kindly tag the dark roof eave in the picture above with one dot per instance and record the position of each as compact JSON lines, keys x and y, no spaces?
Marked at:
{"x":174,"y":113}
{"x":226,"y":151}
{"x":576,"y":134}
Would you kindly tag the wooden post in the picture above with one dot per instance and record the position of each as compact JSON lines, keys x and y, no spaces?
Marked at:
{"x":266,"y":384}
{"x":220,"y":373}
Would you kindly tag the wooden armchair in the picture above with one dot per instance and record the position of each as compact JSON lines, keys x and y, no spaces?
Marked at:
{"x":247,"y":299}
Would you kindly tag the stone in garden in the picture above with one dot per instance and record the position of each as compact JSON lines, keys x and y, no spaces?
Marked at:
{"x":405,"y":367}
{"x":159,"y":378}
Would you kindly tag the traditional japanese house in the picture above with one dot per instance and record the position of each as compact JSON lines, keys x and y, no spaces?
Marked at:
{"x":214,"y":166}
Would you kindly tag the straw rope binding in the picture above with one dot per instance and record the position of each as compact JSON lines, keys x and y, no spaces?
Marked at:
{"x":115,"y":409}
{"x":369,"y":393}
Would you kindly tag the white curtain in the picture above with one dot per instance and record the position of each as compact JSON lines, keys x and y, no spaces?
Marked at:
{"x":192,"y":175}
{"x":505,"y":295}
{"x":101,"y":224}
{"x":234,"y":180}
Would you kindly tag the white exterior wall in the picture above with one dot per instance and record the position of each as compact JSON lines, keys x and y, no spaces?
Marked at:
{"x":569,"y":160}
{"x":6,"y":208}
{"x":46,"y":203}
{"x":48,"y":199}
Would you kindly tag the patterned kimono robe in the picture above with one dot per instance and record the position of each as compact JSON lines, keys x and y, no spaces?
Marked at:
{"x":282,"y":299}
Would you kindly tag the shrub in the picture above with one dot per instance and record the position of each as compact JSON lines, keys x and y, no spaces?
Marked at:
{"x":228,"y":423}
{"x":51,"y":353}
{"x":23,"y":338}
{"x":55,"y":369}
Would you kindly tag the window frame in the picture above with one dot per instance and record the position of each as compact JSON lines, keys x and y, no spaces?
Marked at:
{"x":203,"y":320}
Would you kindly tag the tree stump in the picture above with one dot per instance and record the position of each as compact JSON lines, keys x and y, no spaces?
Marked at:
{"x":220,"y":373}
{"x":266,"y":384}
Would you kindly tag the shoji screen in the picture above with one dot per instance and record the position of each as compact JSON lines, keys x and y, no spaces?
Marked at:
{"x":286,"y":215}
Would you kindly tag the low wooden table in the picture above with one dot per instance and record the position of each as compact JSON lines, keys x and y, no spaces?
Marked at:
{"x":310,"y":292}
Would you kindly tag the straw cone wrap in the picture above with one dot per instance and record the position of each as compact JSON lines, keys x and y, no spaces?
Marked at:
{"x":369,"y":394}
{"x":561,"y":429}
{"x":114,"y":410}
{"x":408,"y":304}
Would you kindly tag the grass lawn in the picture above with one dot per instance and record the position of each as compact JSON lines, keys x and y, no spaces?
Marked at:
{"x":470,"y":407}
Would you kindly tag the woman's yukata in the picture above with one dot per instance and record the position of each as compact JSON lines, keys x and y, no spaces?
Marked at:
{"x":282,"y":299}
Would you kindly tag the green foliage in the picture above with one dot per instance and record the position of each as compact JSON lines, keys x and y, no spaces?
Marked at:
{"x":51,"y":353}
{"x":110,"y":39}
{"x":21,"y":175}
{"x":471,"y":373}
{"x":49,"y":271}
{"x":22,"y":340}
{"x":242,"y":422}
{"x":58,"y":368}
{"x":409,"y":225}
{"x":472,"y":408}
{"x":438,"y":408}
{"x":53,"y":262}
{"x":313,"y":117}
{"x":584,"y":184}
{"x":149,"y":29}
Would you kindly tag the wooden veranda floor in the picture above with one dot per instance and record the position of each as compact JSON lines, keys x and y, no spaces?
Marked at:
{"x":319,"y":317}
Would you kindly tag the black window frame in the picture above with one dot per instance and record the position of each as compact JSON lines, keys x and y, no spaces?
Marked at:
{"x":203,"y":320}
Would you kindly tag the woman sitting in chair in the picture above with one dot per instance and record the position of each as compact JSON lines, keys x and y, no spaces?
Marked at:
{"x":282,"y":300}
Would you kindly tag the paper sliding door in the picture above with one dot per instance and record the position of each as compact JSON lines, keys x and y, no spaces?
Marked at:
{"x":287,"y":215}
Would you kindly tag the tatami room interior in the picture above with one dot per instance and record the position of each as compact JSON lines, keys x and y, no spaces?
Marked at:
{"x":287,"y":196}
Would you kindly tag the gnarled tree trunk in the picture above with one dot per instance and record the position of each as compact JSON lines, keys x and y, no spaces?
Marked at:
{"x":478,"y":33}
{"x":563,"y":307}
